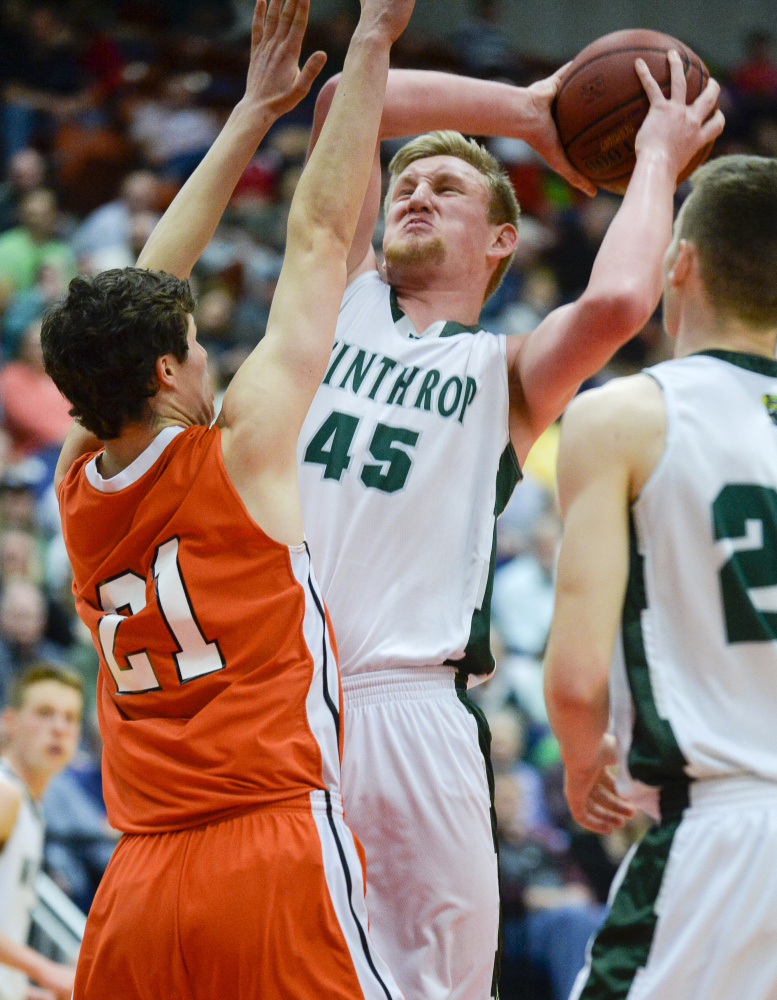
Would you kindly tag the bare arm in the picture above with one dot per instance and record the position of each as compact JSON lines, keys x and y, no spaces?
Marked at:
{"x":58,"y":978}
{"x":275,"y":84}
{"x":422,"y":100}
{"x":267,"y":400}
{"x":547,"y":366}
{"x":611,"y":439}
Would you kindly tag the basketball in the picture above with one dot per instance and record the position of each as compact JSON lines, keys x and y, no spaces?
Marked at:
{"x":601,"y":103}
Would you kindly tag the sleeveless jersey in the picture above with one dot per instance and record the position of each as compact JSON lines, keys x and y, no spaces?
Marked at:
{"x":405,"y":463}
{"x":218,"y":687}
{"x":699,"y":631}
{"x":20,"y":860}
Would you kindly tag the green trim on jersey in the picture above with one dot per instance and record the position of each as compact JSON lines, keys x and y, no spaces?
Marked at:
{"x":478,"y":658}
{"x":622,"y":945}
{"x":450,"y":329}
{"x":655,"y":756}
{"x":750,"y":362}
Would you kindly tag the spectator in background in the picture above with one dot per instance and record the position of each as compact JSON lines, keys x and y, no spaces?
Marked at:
{"x":36,"y":414}
{"x":172,"y":130}
{"x":26,"y":248}
{"x":111,"y":224}
{"x":483,"y":43}
{"x":23,"y":620}
{"x":25,"y":172}
{"x":79,"y":839}
{"x":43,"y":81}
{"x":522,"y":602}
{"x":29,"y":304}
{"x":41,"y":724}
{"x":756,"y":76}
{"x":549,"y":911}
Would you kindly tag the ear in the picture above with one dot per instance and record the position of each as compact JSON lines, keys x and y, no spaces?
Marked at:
{"x":684,"y":263}
{"x":166,"y":367}
{"x":504,"y":241}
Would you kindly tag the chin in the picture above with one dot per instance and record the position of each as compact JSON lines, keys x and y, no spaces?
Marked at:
{"x":414,"y":250}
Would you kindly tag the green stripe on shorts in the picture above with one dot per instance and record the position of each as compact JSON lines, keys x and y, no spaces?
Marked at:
{"x":484,"y":740}
{"x":622,"y":946}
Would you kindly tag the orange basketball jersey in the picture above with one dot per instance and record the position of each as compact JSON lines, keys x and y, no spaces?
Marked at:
{"x":218,"y":688}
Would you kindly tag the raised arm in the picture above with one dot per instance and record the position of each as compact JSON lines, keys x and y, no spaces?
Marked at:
{"x":269,"y":396}
{"x":275,"y":84}
{"x":610,"y":440}
{"x":422,"y":100}
{"x":547,"y":366}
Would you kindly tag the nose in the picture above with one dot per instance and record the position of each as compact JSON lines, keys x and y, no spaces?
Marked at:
{"x":420,"y":197}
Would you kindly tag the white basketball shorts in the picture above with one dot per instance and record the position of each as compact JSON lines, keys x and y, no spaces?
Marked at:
{"x":694,"y":908}
{"x":417,"y":794}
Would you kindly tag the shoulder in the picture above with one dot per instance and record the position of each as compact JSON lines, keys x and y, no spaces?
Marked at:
{"x":618,"y":405}
{"x":10,"y":801}
{"x":619,"y":427}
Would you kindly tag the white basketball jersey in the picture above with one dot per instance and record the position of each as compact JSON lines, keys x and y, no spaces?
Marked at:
{"x":20,"y":860}
{"x":399,"y":459}
{"x":699,"y":633}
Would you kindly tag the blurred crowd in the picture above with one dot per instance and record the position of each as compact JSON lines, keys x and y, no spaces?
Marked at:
{"x":104,"y":112}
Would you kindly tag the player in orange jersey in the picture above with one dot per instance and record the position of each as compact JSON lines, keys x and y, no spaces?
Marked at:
{"x":218,"y":692}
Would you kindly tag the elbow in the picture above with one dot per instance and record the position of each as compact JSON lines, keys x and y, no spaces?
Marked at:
{"x":575,"y":687}
{"x":623,"y":311}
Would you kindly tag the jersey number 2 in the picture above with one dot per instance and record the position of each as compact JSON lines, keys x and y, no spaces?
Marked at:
{"x":194,"y":656}
{"x":747,"y":513}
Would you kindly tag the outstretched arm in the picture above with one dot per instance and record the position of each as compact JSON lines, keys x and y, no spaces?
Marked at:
{"x":595,"y":481}
{"x":547,"y":366}
{"x":422,"y":100}
{"x":269,"y":396}
{"x":275,"y":84}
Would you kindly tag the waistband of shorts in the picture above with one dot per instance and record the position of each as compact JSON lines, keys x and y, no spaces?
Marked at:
{"x":326,"y":801}
{"x":732,"y":792}
{"x":374,"y":687}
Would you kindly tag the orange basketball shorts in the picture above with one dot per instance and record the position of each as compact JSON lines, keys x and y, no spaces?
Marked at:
{"x":268,"y":905}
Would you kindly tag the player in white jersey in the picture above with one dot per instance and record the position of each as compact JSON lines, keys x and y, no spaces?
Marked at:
{"x":410,"y":451}
{"x":42,"y":724}
{"x":668,"y":485}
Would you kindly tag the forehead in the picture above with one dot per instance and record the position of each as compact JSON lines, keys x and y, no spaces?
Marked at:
{"x":440,"y":167}
{"x":52,"y":694}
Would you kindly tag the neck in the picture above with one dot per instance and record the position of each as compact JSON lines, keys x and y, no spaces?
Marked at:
{"x":424,"y":307}
{"x":727,"y":336}
{"x":123,"y":450}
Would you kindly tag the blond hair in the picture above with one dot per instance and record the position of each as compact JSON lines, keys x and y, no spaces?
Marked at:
{"x":503,"y":206}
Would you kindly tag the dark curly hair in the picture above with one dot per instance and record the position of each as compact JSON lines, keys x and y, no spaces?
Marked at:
{"x":100,"y":344}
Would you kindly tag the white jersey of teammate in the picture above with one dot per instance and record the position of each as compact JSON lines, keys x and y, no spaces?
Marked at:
{"x":700,"y":616}
{"x":20,"y":860}
{"x":405,"y":451}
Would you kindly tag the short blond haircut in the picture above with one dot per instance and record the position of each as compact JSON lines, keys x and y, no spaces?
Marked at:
{"x":502,"y":204}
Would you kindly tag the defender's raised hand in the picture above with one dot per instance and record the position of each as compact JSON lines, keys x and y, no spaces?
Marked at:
{"x":275,"y":80}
